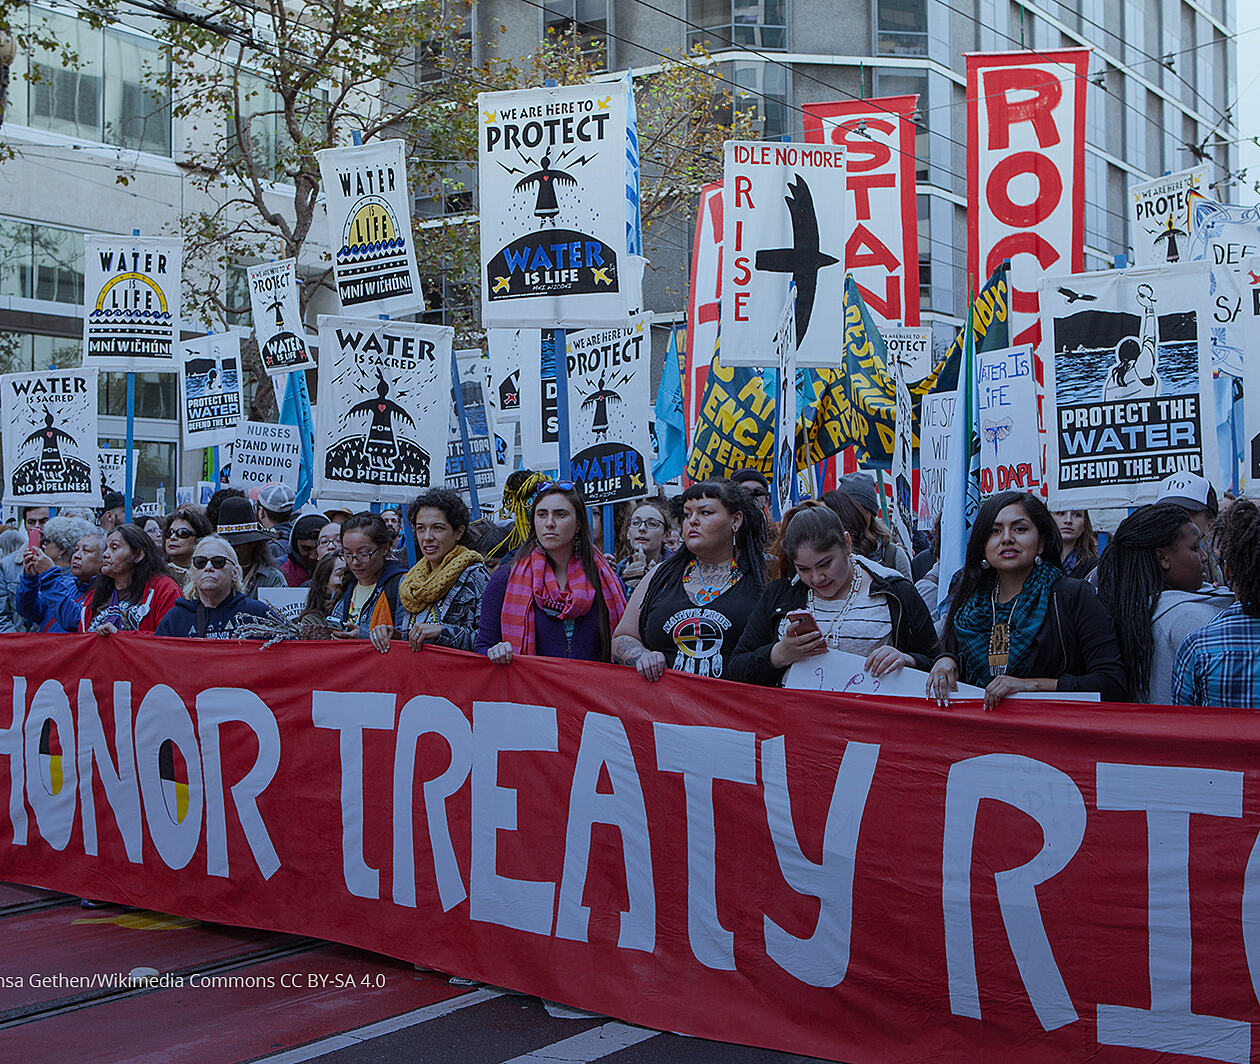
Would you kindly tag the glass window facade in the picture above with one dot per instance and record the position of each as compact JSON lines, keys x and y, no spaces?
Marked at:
{"x":762,"y":90}
{"x":588,"y":21}
{"x":261,"y":119}
{"x":41,"y":262}
{"x":901,"y":27}
{"x":749,"y":23}
{"x":118,"y":92}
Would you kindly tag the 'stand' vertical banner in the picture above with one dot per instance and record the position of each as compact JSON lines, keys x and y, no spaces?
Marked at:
{"x":882,"y":250}
{"x":703,"y":302}
{"x":1026,"y":172}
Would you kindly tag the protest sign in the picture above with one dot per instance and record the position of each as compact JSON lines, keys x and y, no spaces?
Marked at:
{"x":845,"y":673}
{"x":112,"y":462}
{"x":909,"y":347}
{"x":369,"y":227}
{"x":857,"y":878}
{"x":49,"y":438}
{"x":1025,"y":131}
{"x":704,"y":297}
{"x":1159,"y":215}
{"x":273,"y":298}
{"x":131,"y":295}
{"x":609,"y":374}
{"x":936,"y":418}
{"x":552,"y":170}
{"x":903,"y":460}
{"x":540,"y":412}
{"x":1128,"y":383}
{"x":783,"y":351}
{"x":289,"y":602}
{"x":881,"y":250}
{"x":783,"y":225}
{"x":263,"y":453}
{"x":510,"y":349}
{"x":384,"y":404}
{"x":211,"y":396}
{"x":1010,"y":443}
{"x":489,"y":451}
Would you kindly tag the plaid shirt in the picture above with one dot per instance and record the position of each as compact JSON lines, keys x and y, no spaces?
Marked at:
{"x":1219,"y":665}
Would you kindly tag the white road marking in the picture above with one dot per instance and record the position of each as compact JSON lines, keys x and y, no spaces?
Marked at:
{"x":590,"y":1045}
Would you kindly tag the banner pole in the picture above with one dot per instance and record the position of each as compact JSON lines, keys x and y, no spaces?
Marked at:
{"x":131,"y":432}
{"x":457,"y":386}
{"x":562,"y":401}
{"x":609,"y":518}
{"x":218,"y":469}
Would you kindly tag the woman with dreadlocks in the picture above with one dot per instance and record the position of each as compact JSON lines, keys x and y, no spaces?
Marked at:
{"x":560,"y":598}
{"x":1149,"y":579}
{"x":689,"y":614}
{"x":1219,"y":665}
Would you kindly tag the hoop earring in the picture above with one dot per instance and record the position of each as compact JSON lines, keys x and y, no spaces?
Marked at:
{"x":1039,"y":560}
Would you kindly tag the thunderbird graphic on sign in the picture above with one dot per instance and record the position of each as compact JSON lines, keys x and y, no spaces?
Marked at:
{"x":803,"y":259}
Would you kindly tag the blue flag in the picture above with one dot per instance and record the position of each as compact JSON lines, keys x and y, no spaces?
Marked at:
{"x":295,"y":409}
{"x":634,"y":221}
{"x":671,"y":433}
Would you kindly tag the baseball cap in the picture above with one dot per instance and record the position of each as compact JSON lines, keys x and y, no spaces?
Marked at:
{"x":1189,"y":491}
{"x":278,"y":498}
{"x":113,"y":500}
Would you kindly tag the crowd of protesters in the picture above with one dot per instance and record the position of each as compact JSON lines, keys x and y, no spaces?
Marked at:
{"x":705,"y":583}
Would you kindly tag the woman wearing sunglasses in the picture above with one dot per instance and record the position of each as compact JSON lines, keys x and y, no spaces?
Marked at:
{"x":560,"y":598}
{"x":214,"y":605}
{"x":184,"y":527}
{"x":370,"y":599}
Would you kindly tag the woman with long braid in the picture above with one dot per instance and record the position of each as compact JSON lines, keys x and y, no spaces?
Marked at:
{"x":1149,"y":579}
{"x":1219,"y":665}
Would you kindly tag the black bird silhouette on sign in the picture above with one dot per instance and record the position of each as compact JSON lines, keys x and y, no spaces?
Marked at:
{"x":1072,"y":297}
{"x":802,"y":260}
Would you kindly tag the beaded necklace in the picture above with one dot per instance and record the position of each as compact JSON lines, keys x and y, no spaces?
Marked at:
{"x":704,"y":593}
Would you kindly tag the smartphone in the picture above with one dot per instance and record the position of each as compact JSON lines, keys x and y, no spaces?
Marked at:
{"x":33,"y":538}
{"x":804,"y":621}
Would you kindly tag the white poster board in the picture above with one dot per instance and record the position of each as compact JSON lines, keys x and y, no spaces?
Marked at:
{"x":211,"y":394}
{"x":384,"y":407}
{"x":1010,"y":443}
{"x":369,"y":228}
{"x":131,"y":290}
{"x":1159,"y":216}
{"x":112,"y":462}
{"x":263,"y":453}
{"x":50,"y":438}
{"x":490,"y":463}
{"x":552,"y":169}
{"x":610,"y":401}
{"x":273,"y":298}
{"x":783,"y":224}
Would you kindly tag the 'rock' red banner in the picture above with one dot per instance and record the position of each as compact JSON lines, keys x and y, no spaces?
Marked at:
{"x":860,"y":879}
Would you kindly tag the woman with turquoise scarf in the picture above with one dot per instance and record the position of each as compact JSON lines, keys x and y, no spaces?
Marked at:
{"x":1016,"y":623}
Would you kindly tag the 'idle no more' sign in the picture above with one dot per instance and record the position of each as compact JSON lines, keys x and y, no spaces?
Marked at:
{"x":264,"y":453}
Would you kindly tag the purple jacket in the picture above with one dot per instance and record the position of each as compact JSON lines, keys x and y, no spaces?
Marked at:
{"x":549,"y":638}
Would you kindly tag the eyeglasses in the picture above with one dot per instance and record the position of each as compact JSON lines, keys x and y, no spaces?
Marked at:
{"x":216,"y":561}
{"x":646,"y":522}
{"x":329,"y":541}
{"x":758,"y":493}
{"x":181,"y":533}
{"x":362,"y":555}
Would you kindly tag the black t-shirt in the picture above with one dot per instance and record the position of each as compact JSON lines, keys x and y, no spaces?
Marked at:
{"x":696,"y":639}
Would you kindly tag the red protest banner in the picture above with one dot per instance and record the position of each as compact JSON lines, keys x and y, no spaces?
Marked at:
{"x":882,"y":250}
{"x":704,"y":300}
{"x":1026,"y":172}
{"x":865,"y":879}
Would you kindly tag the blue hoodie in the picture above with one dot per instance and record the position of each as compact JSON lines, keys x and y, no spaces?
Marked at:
{"x":220,"y":622}
{"x":386,"y":584}
{"x":50,"y":601}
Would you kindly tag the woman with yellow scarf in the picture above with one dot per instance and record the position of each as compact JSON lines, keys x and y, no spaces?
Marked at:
{"x":439,"y":600}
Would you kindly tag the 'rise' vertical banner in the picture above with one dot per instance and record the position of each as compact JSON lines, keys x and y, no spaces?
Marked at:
{"x":882,"y":250}
{"x":1026,"y":172}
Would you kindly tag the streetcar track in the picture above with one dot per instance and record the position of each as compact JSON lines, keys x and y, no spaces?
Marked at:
{"x":43,"y":1010}
{"x":35,"y":905}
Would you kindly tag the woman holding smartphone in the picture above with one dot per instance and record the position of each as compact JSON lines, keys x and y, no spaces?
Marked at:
{"x":832,"y":599}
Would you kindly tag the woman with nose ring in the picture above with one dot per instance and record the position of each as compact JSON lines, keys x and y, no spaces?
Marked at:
{"x":1016,"y":622}
{"x":440,"y":597}
{"x":831,"y":598}
{"x":690,"y":613}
